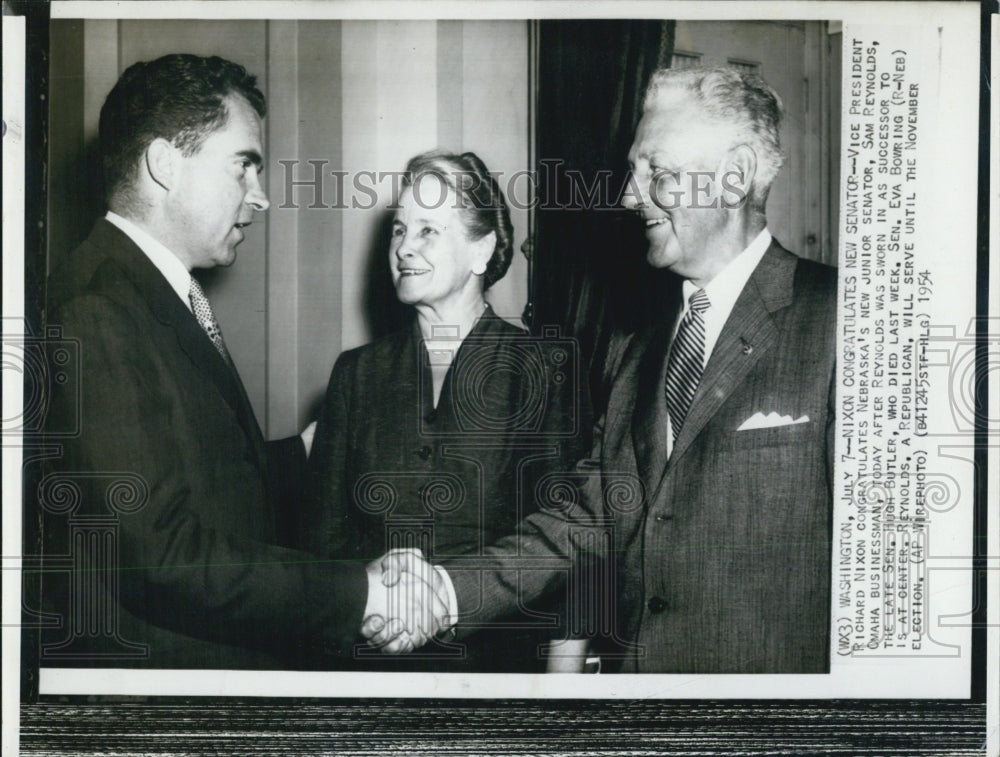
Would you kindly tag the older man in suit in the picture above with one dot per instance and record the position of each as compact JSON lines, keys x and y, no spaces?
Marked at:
{"x":719,"y":423}
{"x":196,"y":574}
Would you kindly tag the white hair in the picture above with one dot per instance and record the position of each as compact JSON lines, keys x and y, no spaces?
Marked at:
{"x":743,"y":103}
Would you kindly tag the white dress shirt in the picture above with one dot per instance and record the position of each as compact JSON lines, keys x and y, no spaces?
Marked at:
{"x":173,"y":270}
{"x":722,"y":291}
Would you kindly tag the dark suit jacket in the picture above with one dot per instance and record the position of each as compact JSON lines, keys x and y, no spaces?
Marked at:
{"x":387,"y":466}
{"x":201,"y":577}
{"x":720,"y":554}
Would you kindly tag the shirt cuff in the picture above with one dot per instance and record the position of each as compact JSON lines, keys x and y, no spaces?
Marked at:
{"x":376,"y":602}
{"x":452,"y":618}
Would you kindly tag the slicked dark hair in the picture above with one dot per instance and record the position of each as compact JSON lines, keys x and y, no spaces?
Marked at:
{"x":481,"y":203}
{"x":180,"y":98}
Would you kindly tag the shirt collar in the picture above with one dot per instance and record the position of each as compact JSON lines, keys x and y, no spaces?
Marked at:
{"x":724,"y":289}
{"x":168,"y":264}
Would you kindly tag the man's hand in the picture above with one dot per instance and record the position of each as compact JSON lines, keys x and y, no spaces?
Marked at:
{"x":407,"y":602}
{"x":307,"y":436}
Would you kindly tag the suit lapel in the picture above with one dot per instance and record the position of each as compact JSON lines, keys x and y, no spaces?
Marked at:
{"x":169,"y":310}
{"x":747,"y":336}
{"x":649,"y":419}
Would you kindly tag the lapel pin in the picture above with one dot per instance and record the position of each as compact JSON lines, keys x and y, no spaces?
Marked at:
{"x":747,"y":347}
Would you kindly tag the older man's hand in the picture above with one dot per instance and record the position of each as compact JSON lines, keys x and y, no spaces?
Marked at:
{"x":407,"y":602}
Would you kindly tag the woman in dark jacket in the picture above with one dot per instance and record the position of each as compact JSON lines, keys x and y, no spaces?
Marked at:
{"x":436,"y":436}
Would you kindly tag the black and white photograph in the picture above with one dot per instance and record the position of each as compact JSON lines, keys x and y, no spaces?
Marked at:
{"x":450,"y":358}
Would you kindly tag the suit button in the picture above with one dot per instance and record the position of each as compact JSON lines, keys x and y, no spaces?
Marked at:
{"x":656,"y":604}
{"x":424,"y":452}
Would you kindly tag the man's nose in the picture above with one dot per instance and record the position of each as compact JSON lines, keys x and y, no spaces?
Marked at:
{"x":632,"y":198}
{"x":256,"y":198}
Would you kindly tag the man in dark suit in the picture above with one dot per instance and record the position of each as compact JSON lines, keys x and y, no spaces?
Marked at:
{"x":712,"y":467}
{"x":174,"y":531}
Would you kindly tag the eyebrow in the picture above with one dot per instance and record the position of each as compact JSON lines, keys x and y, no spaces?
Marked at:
{"x":253,"y":156}
{"x":654,"y":151}
{"x":429,"y":221}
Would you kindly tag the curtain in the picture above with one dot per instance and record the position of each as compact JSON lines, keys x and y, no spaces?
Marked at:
{"x":589,"y":274}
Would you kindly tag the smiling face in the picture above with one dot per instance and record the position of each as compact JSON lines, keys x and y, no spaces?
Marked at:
{"x":217,"y":190}
{"x":432,"y":259}
{"x":675,"y":161}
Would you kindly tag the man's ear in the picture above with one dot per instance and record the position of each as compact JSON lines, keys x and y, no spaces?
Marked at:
{"x":483,"y":253}
{"x":162,"y":162}
{"x":738,"y":175}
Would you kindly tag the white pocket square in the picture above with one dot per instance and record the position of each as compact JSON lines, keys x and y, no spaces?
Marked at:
{"x":771,"y":420}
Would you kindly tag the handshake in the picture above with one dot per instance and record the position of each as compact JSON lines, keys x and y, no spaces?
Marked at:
{"x":409,"y":602}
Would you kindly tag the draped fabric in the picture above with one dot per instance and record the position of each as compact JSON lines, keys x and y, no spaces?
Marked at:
{"x":589,"y":271}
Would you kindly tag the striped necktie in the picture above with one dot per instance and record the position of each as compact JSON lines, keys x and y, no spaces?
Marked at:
{"x":206,"y":318}
{"x":686,"y":361}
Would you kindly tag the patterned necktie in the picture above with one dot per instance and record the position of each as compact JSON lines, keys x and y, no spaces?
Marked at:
{"x":687,"y":357}
{"x":206,"y":318}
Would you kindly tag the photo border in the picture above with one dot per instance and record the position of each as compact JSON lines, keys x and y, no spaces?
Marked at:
{"x":908,"y":725}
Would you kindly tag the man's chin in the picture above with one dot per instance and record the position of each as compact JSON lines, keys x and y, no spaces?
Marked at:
{"x":659,"y":257}
{"x":226,"y":258}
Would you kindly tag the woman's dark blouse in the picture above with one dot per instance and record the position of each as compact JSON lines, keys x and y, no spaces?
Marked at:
{"x":388,"y":469}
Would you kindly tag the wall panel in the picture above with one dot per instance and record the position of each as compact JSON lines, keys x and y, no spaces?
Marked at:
{"x":495,"y":127}
{"x":320,"y":252}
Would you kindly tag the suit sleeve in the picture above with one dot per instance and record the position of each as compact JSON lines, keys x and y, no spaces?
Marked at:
{"x":326,"y":523}
{"x":537,"y":558}
{"x":177,"y":570}
{"x":286,"y":479}
{"x":570,"y":525}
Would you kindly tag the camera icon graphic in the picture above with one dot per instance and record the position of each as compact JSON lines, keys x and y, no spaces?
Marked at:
{"x":45,"y":364}
{"x":966,"y":365}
